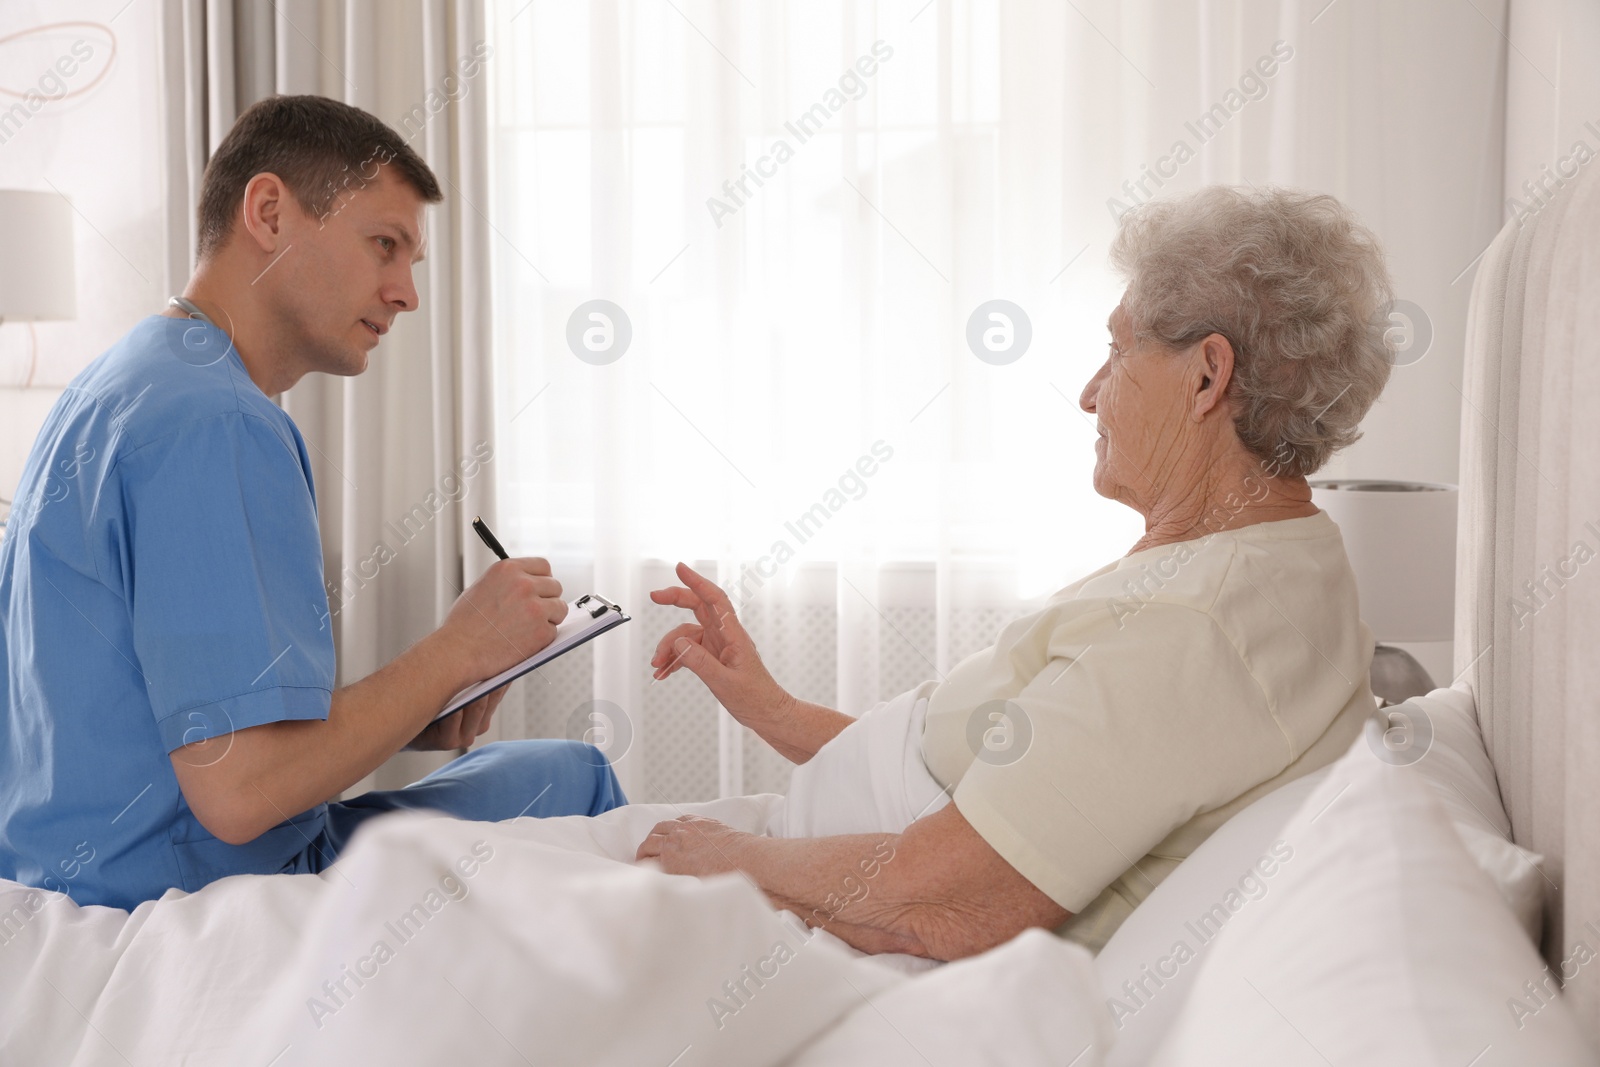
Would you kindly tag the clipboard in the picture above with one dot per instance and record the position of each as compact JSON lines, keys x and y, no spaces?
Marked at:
{"x":587,"y":618}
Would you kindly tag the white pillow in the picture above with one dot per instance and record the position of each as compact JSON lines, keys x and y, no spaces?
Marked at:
{"x":1031,"y":1001}
{"x":1380,"y":942}
{"x":1438,"y":737}
{"x":1160,"y":938}
{"x":1457,"y":769}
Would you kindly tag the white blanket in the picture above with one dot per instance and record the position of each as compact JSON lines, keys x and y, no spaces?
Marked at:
{"x":440,"y":941}
{"x":870,"y":778}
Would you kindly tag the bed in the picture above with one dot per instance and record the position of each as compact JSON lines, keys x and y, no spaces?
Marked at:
{"x":1423,"y":900}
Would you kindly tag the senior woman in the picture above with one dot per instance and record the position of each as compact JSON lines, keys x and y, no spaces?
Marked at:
{"x":1220,"y":658}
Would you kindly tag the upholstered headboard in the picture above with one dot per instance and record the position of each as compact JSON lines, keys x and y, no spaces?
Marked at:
{"x":1527,"y":634}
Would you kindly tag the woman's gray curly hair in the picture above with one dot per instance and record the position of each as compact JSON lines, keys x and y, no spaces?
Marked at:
{"x":1299,"y":288}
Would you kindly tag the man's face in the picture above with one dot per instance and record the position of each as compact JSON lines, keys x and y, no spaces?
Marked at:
{"x":343,"y":278}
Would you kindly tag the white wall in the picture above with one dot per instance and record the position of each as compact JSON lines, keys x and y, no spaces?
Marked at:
{"x":1420,"y":152}
{"x":1422,"y":141}
{"x":101,"y":149}
{"x":1552,"y":95}
{"x":1552,"y":127}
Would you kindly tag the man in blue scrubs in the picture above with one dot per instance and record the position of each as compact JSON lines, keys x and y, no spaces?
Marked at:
{"x":169,"y":715}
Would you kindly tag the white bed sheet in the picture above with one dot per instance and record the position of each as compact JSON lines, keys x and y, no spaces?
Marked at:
{"x":550,"y":952}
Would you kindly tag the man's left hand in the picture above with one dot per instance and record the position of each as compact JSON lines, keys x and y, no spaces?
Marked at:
{"x":460,"y":728}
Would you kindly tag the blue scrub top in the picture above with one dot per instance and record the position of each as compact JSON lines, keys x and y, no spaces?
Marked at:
{"x":160,"y":584}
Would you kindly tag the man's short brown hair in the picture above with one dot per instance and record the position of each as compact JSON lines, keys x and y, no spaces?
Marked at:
{"x":319,"y":147}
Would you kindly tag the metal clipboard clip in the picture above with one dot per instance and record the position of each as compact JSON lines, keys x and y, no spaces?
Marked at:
{"x":595,"y":605}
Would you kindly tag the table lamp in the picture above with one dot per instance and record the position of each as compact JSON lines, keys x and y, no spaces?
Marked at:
{"x":1401,"y":540}
{"x":37,"y":281}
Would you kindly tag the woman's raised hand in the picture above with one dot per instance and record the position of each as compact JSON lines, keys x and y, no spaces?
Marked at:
{"x":717,"y":649}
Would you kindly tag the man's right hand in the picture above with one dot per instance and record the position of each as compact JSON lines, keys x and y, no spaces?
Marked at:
{"x":243,"y":784}
{"x":505,"y":616}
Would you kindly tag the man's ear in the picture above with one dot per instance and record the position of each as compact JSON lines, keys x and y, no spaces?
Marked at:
{"x":1214,"y":370}
{"x":263,"y":211}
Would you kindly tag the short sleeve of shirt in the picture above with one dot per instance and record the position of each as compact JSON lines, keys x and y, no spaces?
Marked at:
{"x":1133,"y":726}
{"x":223,"y":565}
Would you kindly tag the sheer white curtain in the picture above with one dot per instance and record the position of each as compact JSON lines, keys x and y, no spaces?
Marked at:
{"x":796,"y":209}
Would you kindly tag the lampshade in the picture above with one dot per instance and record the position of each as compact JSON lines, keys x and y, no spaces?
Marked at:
{"x":1401,"y":540}
{"x":36,"y":276}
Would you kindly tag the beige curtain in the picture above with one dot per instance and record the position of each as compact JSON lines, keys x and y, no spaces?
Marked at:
{"x":386,"y":447}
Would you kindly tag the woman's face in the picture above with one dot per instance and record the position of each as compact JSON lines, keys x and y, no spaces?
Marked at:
{"x":1140,"y":398}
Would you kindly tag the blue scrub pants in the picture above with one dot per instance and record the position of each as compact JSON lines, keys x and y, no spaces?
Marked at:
{"x":502,"y":780}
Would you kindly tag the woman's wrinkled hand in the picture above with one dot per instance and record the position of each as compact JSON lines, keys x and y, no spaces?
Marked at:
{"x":693,"y":844}
{"x":716,"y":649}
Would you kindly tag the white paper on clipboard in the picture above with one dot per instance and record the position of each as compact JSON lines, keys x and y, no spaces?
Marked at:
{"x":587,"y":617}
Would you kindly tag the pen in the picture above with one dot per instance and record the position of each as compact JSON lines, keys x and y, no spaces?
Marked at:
{"x":488,"y":538}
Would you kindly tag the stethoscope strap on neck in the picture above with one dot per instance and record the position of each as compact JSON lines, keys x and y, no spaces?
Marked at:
{"x":187,"y":306}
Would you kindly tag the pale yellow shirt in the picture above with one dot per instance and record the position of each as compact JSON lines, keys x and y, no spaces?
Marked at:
{"x":1148,"y":702}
